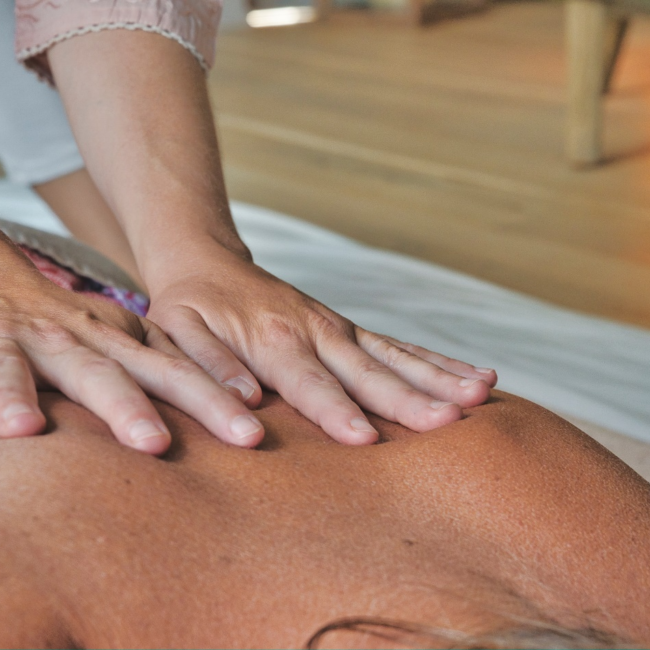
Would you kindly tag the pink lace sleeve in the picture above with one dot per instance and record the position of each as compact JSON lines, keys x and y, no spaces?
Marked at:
{"x":41,"y":23}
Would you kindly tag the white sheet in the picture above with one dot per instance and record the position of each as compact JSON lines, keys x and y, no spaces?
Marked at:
{"x":589,"y":368}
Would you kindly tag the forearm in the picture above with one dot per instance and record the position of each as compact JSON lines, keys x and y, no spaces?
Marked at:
{"x":74,"y":198}
{"x":139,"y":109}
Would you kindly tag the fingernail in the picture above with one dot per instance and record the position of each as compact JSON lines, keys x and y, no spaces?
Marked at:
{"x":243,"y":386}
{"x":438,"y":406}
{"x":13,"y":423}
{"x":467,"y":382}
{"x":14,"y":410}
{"x":244,"y":426}
{"x":362,"y":425}
{"x":142,"y":430}
{"x":485,"y":371}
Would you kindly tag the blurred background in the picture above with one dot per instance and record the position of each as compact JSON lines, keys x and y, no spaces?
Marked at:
{"x":507,"y":140}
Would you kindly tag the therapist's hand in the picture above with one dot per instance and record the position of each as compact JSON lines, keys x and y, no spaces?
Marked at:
{"x":159,"y":170}
{"x":104,"y":358}
{"x":240,"y":323}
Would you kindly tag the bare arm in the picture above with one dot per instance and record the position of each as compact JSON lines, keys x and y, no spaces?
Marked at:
{"x":140,"y":112}
{"x":75,"y":199}
{"x":151,"y":147}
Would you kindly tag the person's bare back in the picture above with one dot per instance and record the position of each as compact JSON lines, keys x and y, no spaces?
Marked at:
{"x":510,"y":519}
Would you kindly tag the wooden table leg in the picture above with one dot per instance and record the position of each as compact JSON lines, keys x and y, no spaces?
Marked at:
{"x":617,"y":27}
{"x":586,"y":25}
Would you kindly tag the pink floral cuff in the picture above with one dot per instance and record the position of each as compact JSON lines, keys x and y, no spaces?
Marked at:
{"x":42,"y":23}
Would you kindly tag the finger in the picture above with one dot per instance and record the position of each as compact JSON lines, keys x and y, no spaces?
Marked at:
{"x":309,"y":387}
{"x":423,"y":375}
{"x":103,"y":386}
{"x":19,"y":411}
{"x":460,"y":368}
{"x":376,"y":388}
{"x":156,"y":339}
{"x":203,"y":347}
{"x":188,"y":387}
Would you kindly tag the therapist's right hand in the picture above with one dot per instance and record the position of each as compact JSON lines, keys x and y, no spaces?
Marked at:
{"x":105,"y":358}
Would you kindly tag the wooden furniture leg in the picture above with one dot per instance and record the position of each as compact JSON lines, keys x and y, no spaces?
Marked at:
{"x":586,"y":22}
{"x":617,"y":27}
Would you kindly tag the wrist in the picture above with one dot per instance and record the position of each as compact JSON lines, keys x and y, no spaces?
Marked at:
{"x":167,"y":259}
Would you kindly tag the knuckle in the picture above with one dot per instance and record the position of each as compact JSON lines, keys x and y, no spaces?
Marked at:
{"x":8,"y":348}
{"x":209,"y":360}
{"x":278,"y":332}
{"x":11,"y":358}
{"x":8,"y":327}
{"x":153,"y":332}
{"x":124,"y":325}
{"x":102,"y":366}
{"x":88,"y":323}
{"x":178,"y":370}
{"x":393,"y":357}
{"x":368,"y":371}
{"x":8,"y":308}
{"x":411,"y":348}
{"x":50,"y":334}
{"x":110,"y":321}
{"x":317,"y":380}
{"x":325,"y":322}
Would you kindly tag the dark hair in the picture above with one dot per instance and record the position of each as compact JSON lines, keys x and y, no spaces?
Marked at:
{"x":413,"y":635}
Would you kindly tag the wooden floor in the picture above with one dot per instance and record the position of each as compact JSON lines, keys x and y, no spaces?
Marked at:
{"x":446,"y":143}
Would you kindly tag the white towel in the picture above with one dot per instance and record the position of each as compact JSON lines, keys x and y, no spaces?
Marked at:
{"x":590,"y":368}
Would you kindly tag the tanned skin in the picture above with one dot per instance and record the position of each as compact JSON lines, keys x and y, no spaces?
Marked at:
{"x":510,"y":514}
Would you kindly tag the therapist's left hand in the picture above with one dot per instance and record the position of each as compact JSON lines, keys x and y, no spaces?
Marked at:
{"x":243,"y":325}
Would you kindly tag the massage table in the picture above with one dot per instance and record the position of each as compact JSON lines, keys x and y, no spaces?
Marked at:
{"x":594,"y":372}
